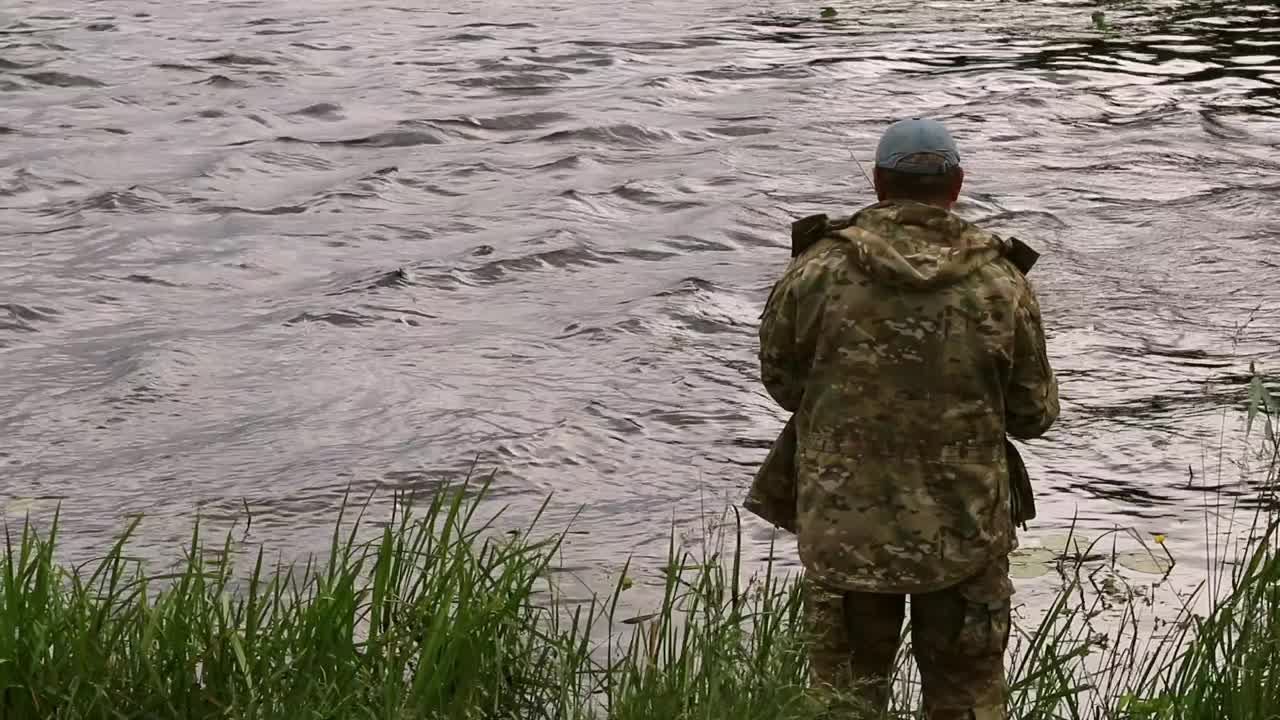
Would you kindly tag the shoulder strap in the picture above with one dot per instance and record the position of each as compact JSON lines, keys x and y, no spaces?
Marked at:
{"x":1021,"y":255}
{"x":807,"y":231}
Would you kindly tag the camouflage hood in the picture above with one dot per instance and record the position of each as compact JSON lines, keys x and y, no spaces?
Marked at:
{"x":918,"y":246}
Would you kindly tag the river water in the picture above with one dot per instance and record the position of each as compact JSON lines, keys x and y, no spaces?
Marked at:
{"x":255,"y":253}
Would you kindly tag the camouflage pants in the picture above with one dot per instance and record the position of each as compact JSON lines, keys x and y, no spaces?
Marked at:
{"x":958,"y":636}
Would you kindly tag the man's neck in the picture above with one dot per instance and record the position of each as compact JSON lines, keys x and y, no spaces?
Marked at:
{"x":940,"y":204}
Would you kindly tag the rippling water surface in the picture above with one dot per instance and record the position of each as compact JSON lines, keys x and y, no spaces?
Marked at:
{"x":262,"y":252}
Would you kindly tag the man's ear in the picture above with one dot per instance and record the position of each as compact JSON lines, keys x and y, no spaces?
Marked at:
{"x":957,"y":185}
{"x":879,"y":183}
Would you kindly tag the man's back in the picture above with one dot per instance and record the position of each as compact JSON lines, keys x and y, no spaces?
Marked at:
{"x":908,"y":346}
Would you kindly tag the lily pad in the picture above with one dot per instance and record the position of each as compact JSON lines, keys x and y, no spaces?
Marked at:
{"x":1074,"y":544}
{"x":1028,"y":563}
{"x":1144,"y":562}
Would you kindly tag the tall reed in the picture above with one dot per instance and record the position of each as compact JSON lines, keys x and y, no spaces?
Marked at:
{"x":438,"y":614}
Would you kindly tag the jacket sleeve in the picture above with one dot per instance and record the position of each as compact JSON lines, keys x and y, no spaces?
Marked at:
{"x":784,"y":360}
{"x":1031,"y":399}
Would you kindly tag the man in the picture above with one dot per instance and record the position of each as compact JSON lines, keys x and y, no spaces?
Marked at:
{"x":907,"y":343}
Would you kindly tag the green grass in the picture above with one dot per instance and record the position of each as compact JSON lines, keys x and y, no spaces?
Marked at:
{"x":434,"y":618}
{"x":440,"y":615}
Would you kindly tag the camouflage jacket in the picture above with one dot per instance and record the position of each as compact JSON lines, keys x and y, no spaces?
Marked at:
{"x":907,"y":344}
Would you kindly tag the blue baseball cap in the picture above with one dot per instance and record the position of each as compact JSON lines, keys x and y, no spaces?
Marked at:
{"x":919,"y":146}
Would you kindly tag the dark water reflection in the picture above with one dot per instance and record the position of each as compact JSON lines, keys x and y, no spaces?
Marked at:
{"x":265,"y":252}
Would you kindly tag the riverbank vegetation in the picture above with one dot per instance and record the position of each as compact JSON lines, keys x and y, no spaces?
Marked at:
{"x":440,"y":615}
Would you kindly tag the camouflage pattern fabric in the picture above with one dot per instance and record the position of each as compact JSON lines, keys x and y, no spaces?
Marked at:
{"x":907,"y":344}
{"x":772,"y":496}
{"x":958,"y":636}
